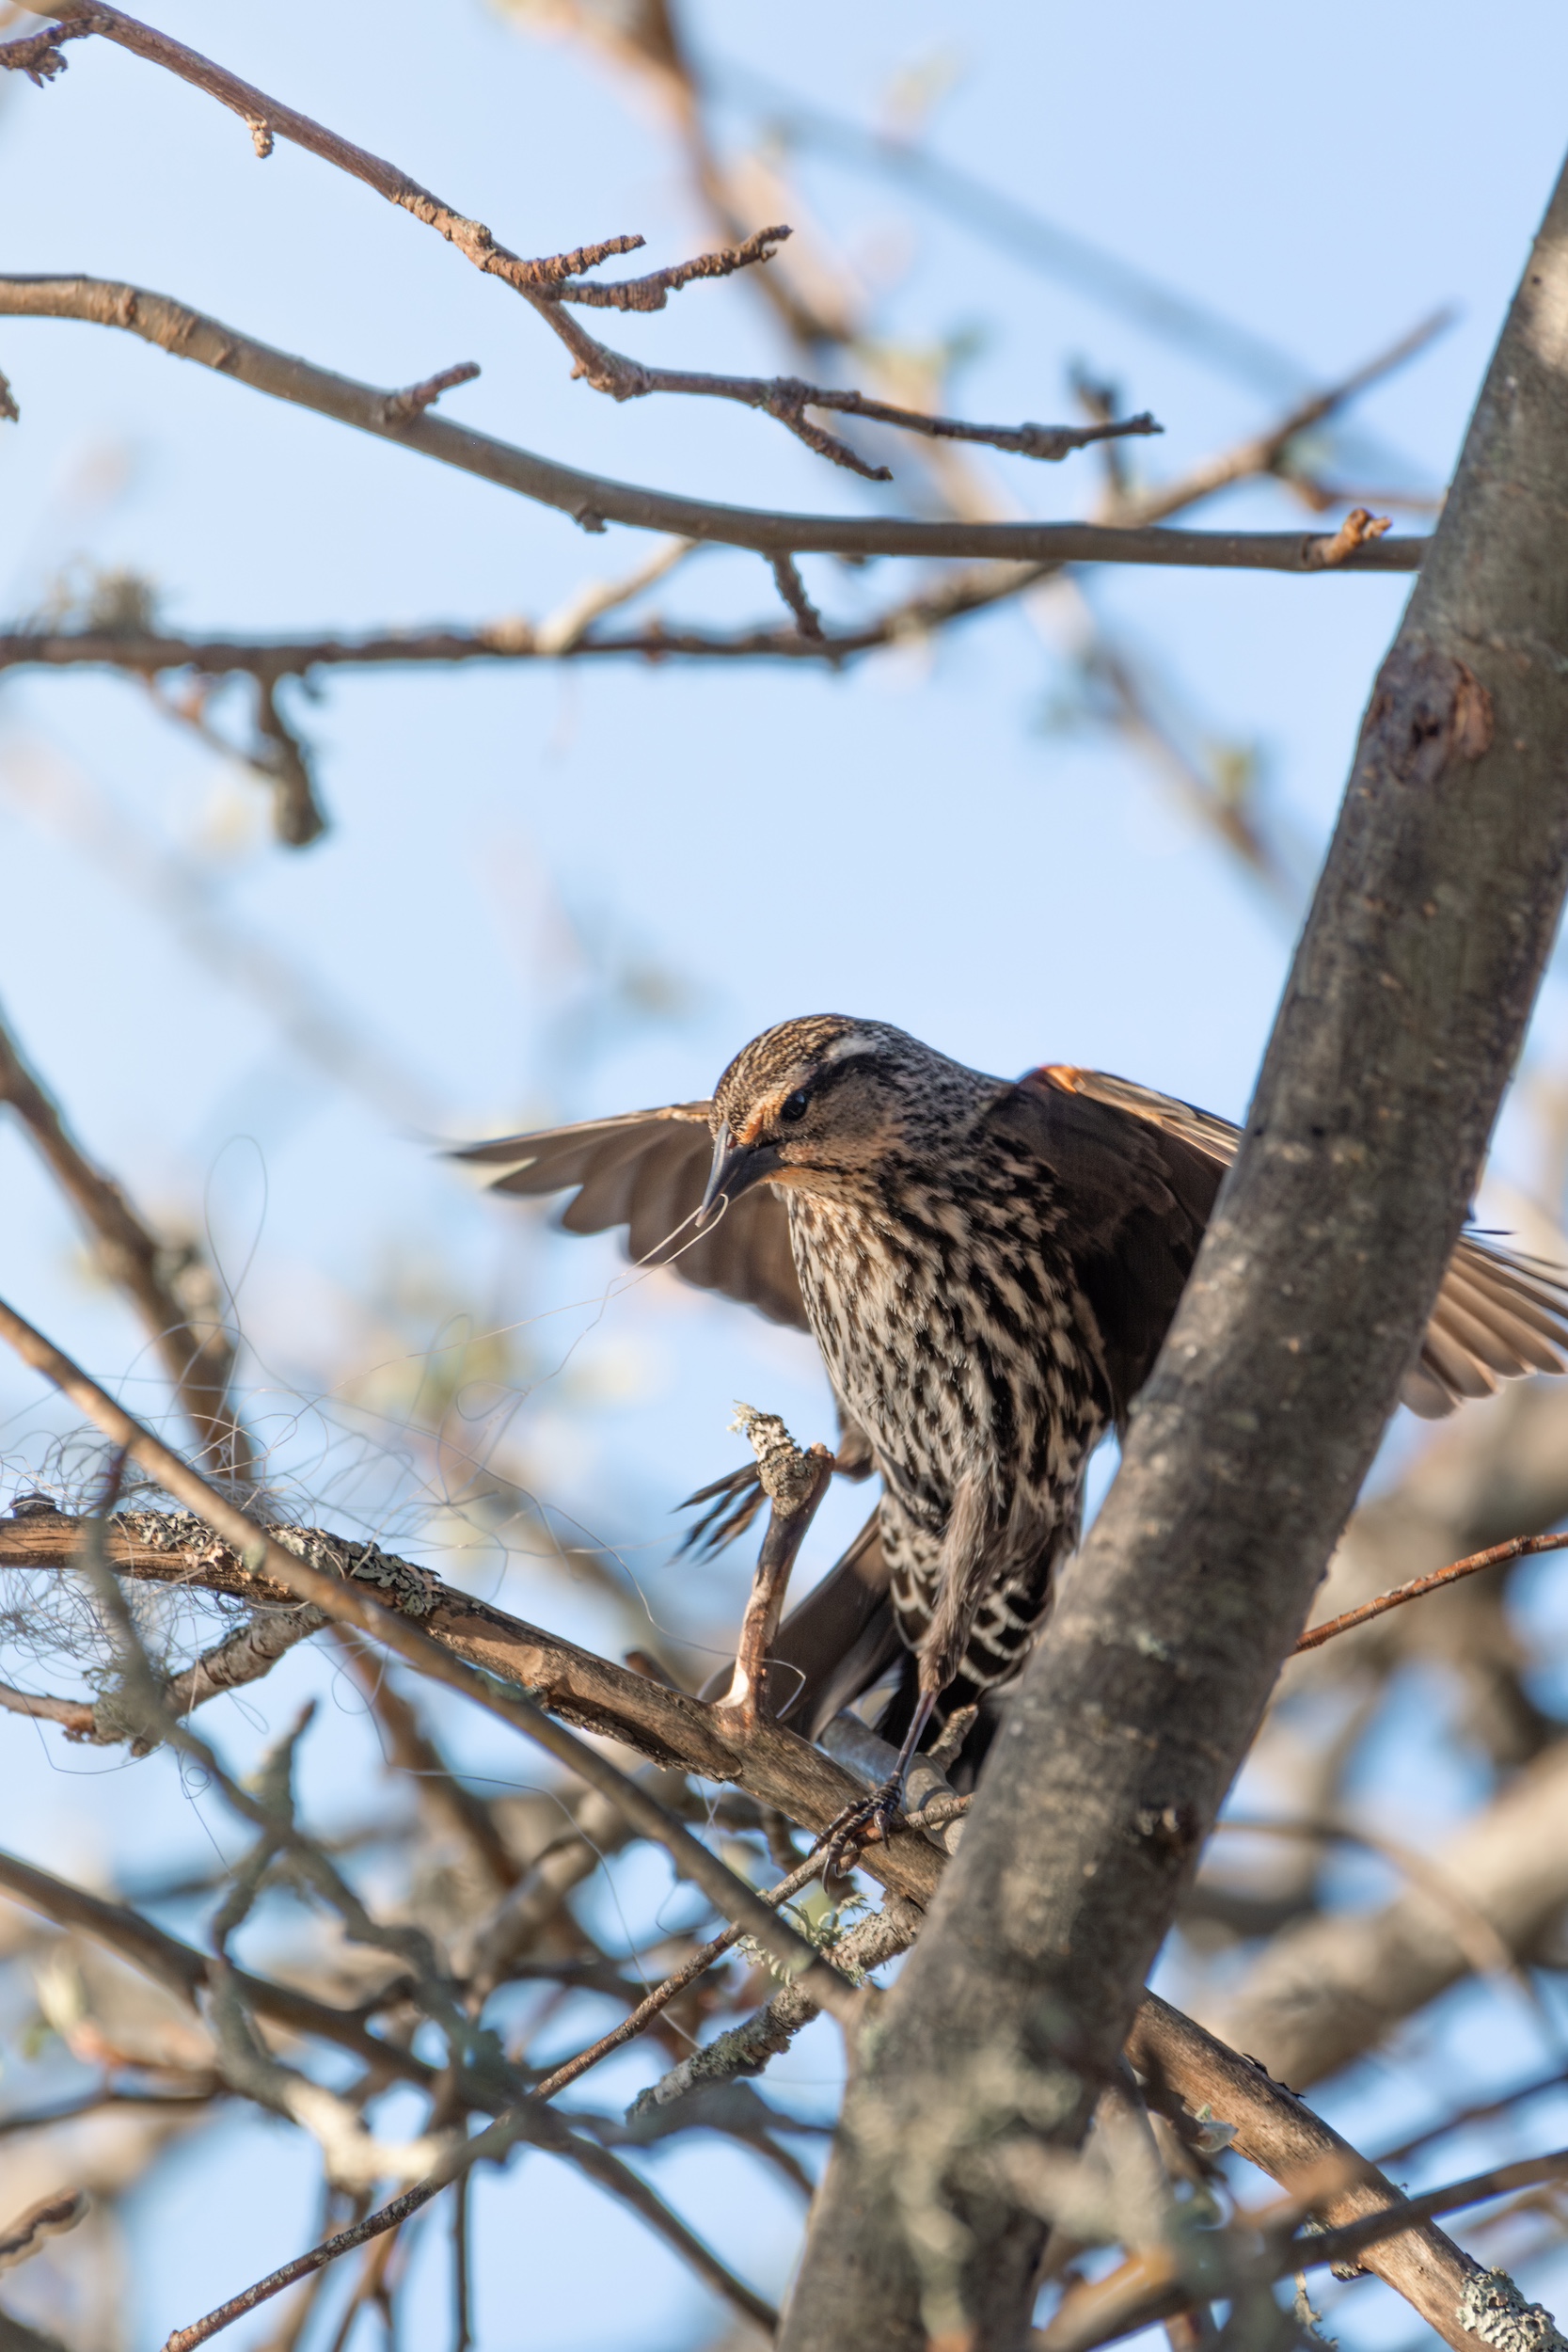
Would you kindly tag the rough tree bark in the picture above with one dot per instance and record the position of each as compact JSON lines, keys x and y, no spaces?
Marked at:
{"x":1403,"y":1013}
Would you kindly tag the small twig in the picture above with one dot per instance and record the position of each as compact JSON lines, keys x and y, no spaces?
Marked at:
{"x":792,"y":588}
{"x":1269,"y":452}
{"x":280,"y":757}
{"x":51,"y":2218}
{"x":38,"y":55}
{"x":746,"y":2049}
{"x":204,"y":2089}
{"x":462,"y":2331}
{"x":389,"y":2216}
{"x":1520,"y":1548}
{"x":795,"y":1484}
{"x":1049,"y":443}
{"x":403,"y":407}
{"x":8,"y":409}
{"x":937,"y":1811}
{"x":74,"y":1715}
{"x":369,"y":2288}
{"x":1349,"y":2241}
{"x":1358,"y":530}
{"x":662,"y":1994}
{"x":528,"y":2122}
{"x":1483,"y":2111}
{"x":563,"y":632}
{"x":652,"y":291}
{"x":244,"y":1656}
{"x":547,"y":285}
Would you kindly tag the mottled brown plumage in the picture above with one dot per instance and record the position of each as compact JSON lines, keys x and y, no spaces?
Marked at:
{"x":989,"y":1270}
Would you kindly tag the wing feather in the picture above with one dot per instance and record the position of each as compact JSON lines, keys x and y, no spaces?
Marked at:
{"x":1447,"y":1353}
{"x":1499,"y":1315}
{"x":1518,"y":1340}
{"x":646,"y":1171}
{"x":1136,"y":1193}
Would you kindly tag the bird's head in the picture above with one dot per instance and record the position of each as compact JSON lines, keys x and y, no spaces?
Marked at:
{"x":821,"y":1103}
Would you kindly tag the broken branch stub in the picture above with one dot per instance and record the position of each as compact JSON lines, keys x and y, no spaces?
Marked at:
{"x":795,"y":1483}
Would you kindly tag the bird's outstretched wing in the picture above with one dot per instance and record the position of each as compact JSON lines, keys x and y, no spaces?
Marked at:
{"x":1135,"y":1198}
{"x":1142,"y":1170}
{"x":647,"y":1170}
{"x":1499,"y":1315}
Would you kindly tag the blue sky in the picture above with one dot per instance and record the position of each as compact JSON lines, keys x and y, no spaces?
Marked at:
{"x":557,"y":892}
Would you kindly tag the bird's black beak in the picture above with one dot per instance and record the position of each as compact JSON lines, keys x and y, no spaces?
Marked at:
{"x":735,"y":1169}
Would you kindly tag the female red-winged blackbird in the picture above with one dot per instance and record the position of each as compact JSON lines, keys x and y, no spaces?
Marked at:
{"x":989,"y":1269}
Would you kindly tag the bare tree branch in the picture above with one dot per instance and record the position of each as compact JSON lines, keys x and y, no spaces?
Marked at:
{"x":1276,"y":2131}
{"x":245,"y":1655}
{"x":592,"y":500}
{"x":703,"y":1959}
{"x":402,"y":407}
{"x":795,"y":1484}
{"x":792,"y":588}
{"x":1273,"y":451}
{"x":185,"y":1971}
{"x":199,"y":1362}
{"x":1351,"y":2238}
{"x":747,"y":2048}
{"x":773,"y":1764}
{"x":298,"y":817}
{"x":690,"y":1858}
{"x":1148,"y":2286}
{"x":1496,"y":1556}
{"x":547,"y":285}
{"x":51,"y":2218}
{"x":1327,"y":1989}
{"x":438,"y":1788}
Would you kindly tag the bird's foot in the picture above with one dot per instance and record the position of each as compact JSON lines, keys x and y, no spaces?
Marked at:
{"x":865,"y":1822}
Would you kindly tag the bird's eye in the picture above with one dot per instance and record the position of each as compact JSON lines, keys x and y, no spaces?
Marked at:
{"x":796,"y":1106}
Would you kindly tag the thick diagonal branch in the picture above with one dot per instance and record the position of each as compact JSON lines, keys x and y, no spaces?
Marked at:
{"x":770,"y":1762}
{"x":1276,"y":2131}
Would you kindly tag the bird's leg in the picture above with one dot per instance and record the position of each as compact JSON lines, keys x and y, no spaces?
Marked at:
{"x":795,"y":1484}
{"x":868,"y":1819}
{"x":960,"y":1582}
